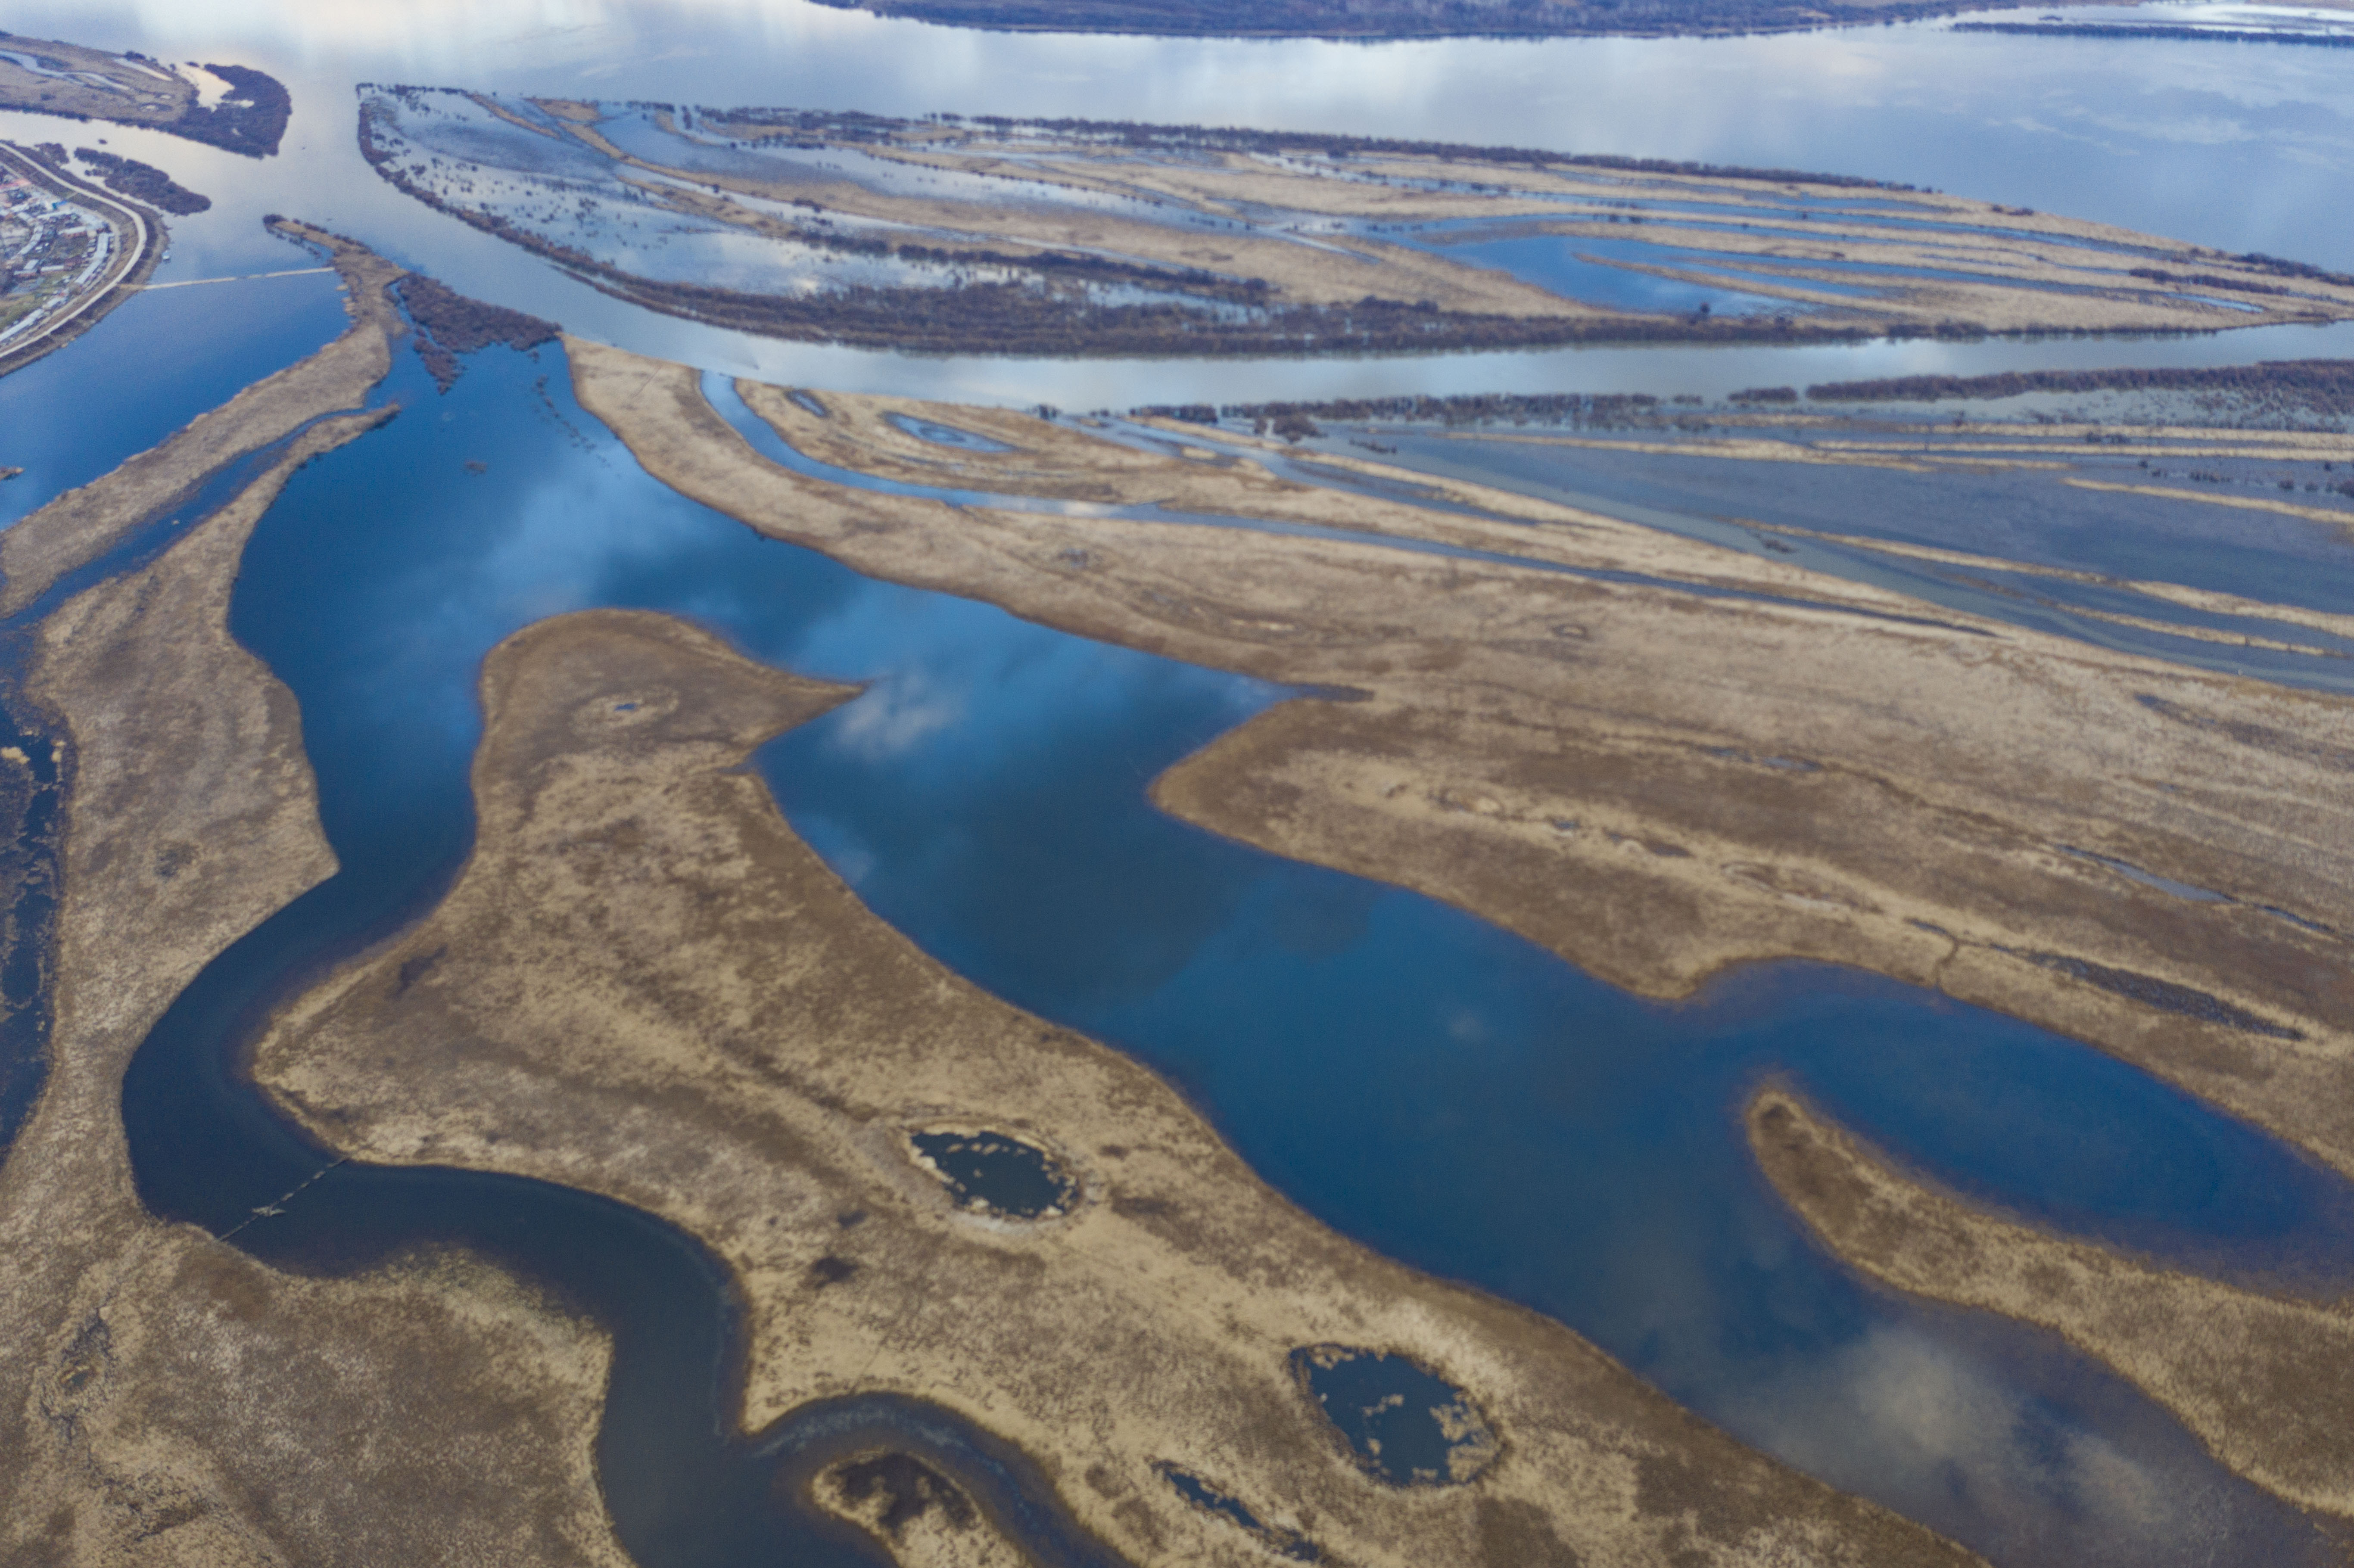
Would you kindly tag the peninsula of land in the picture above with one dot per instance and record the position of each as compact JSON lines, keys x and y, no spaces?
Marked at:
{"x":1657,"y":757}
{"x":2265,"y":1381}
{"x":47,"y":77}
{"x":165,"y":1400}
{"x":987,"y":234}
{"x":645,"y":985}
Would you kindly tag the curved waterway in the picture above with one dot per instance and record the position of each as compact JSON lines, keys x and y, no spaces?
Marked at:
{"x":2217,"y":143}
{"x":1431,"y":1086}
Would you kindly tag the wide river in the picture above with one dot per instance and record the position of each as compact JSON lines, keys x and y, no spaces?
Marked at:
{"x":2223,"y":144}
{"x":1418,"y":1079}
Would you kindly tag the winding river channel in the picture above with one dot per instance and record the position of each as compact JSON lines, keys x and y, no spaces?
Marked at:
{"x":1440,"y":1091}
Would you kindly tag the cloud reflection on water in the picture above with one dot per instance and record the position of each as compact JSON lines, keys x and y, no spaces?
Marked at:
{"x":2093,"y":128}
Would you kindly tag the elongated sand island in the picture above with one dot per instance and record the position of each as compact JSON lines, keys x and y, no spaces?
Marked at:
{"x":998,"y":235}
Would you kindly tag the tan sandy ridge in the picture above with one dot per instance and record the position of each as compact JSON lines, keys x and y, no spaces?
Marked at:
{"x":2342,"y":516}
{"x":1059,"y":462}
{"x":645,"y":985}
{"x":1657,"y":785}
{"x":2206,"y":599}
{"x":2267,"y":1382}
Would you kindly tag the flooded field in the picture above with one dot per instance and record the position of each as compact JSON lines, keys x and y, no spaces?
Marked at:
{"x":1095,"y":238}
{"x":1413,"y":1074}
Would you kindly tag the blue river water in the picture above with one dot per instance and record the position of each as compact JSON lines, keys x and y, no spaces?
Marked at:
{"x":1418,"y":1079}
{"x":155,"y":363}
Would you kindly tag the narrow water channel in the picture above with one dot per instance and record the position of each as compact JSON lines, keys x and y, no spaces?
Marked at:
{"x":1421,"y":1081}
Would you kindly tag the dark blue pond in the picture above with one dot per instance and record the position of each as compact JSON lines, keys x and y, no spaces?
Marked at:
{"x":1418,"y":1079}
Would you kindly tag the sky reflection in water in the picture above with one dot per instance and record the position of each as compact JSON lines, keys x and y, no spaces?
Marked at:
{"x":2224,"y":144}
{"x":1419,"y":1079}
{"x":1440,"y":1090}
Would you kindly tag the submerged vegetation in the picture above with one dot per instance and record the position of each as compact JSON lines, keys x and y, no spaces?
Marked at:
{"x":449,"y":325}
{"x":1070,"y":238}
{"x":2317,"y":385}
{"x":144,"y":182}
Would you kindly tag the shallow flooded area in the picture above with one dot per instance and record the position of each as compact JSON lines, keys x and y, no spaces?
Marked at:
{"x":1417,"y":1078}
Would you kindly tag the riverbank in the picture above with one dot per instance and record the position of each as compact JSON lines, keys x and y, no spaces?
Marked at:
{"x":696,"y":1017}
{"x":2263,"y":1379}
{"x":82,"y":524}
{"x":1723,"y":760}
{"x":166,"y":1398}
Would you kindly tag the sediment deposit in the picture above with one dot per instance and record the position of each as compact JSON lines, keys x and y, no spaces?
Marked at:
{"x":645,"y":985}
{"x":2267,"y":1382}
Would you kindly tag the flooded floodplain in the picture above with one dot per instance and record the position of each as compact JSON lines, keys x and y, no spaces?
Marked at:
{"x":1423,"y":1082}
{"x":1091,"y":239}
{"x":1398,"y":1067}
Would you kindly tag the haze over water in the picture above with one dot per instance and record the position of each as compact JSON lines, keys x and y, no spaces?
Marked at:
{"x":2220,"y":145}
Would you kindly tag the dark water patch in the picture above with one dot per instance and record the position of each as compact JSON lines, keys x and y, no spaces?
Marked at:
{"x":809,"y":403}
{"x":1285,"y":1543}
{"x":2132,"y":872}
{"x":997,"y":1174}
{"x":1403,"y":1423}
{"x":941,"y":435}
{"x":2164,"y":995}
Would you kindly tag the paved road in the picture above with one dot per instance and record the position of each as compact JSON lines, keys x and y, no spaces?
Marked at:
{"x":127,"y":257}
